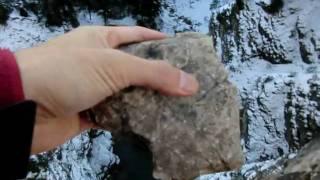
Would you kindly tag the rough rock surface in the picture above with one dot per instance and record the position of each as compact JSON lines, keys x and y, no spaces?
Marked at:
{"x":307,"y":163}
{"x":187,"y":135}
{"x":271,"y":50}
{"x":302,"y":166}
{"x":288,"y":34}
{"x":285,"y":108}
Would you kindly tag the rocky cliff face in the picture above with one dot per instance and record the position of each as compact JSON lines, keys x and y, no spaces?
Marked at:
{"x":272,"y":51}
{"x":277,"y":31}
{"x":271,"y":48}
{"x":88,"y":156}
{"x":165,"y":15}
{"x":304,"y":165}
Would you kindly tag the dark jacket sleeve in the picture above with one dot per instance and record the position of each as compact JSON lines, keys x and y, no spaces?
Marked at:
{"x":17,"y":119}
{"x":17,"y":124}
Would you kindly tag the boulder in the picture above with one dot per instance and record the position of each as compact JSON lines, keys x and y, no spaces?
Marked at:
{"x":307,"y":162}
{"x":187,"y":136}
{"x":306,"y":165}
{"x":303,"y":165}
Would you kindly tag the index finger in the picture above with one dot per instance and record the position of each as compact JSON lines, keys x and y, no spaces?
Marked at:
{"x":121,"y":35}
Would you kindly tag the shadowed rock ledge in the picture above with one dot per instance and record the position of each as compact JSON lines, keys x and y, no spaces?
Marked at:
{"x":306,"y":165}
{"x":187,"y":136}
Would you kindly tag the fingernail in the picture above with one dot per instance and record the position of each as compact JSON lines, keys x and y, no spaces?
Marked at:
{"x":188,"y":84}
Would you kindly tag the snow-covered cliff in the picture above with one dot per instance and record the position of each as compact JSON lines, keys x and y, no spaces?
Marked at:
{"x":271,"y":49}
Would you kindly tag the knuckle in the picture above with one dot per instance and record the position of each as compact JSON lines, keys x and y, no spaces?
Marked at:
{"x":112,"y":37}
{"x":163,"y":64}
{"x":163,"y":67}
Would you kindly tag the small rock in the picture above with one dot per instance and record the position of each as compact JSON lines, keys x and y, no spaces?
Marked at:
{"x":187,"y":136}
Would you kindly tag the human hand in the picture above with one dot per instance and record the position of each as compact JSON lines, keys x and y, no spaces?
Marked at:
{"x":77,"y":70}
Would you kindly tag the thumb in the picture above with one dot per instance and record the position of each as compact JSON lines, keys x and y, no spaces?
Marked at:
{"x":155,"y":74}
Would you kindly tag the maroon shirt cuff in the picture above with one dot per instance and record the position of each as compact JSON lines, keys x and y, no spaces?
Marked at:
{"x":11,"y":90}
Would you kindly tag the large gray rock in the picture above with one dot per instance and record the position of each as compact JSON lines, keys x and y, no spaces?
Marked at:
{"x":306,"y":164}
{"x":302,"y":166}
{"x":188,"y":136}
